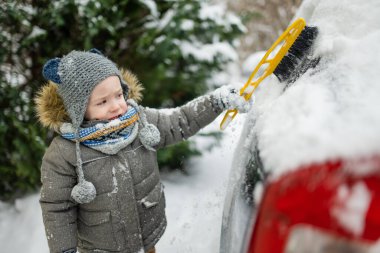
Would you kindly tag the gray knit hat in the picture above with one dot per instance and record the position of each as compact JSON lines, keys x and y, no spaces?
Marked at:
{"x":77,"y":74}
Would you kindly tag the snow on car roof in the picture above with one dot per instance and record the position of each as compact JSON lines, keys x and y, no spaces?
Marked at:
{"x":331,"y":111}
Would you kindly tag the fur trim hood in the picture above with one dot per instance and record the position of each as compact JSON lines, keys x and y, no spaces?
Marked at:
{"x":51,"y":111}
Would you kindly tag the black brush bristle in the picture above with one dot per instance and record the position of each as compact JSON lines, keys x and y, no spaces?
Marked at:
{"x":297,"y":61}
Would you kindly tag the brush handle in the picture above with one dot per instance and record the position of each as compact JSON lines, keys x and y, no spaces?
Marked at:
{"x":228,"y":117}
{"x":267,"y":65}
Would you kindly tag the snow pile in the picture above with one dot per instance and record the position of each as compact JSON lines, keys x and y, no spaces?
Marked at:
{"x":331,"y":111}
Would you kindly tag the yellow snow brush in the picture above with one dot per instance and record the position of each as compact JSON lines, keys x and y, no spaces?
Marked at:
{"x":283,"y":59}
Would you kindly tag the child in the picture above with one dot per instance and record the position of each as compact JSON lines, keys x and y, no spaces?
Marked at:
{"x":101,"y":190}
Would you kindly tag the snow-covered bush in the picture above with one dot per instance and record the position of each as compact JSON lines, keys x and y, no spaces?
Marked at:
{"x":161,"y":41}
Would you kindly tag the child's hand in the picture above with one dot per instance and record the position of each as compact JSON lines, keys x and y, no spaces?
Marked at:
{"x":228,"y":97}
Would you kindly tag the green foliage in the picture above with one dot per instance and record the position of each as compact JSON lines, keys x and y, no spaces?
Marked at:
{"x":20,"y":137}
{"x":175,"y":158}
{"x":151,"y":38}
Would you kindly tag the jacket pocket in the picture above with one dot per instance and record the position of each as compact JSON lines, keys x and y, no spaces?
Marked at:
{"x":95,"y":230}
{"x":153,"y":197}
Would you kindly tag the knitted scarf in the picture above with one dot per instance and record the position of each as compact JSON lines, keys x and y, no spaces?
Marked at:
{"x":107,"y":136}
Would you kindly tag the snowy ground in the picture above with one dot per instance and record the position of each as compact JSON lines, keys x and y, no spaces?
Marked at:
{"x":194,"y":205}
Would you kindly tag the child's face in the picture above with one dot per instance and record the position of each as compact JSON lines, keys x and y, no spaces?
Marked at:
{"x":106,"y":100}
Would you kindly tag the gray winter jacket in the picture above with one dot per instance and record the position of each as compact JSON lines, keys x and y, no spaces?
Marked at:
{"x":128,"y":213}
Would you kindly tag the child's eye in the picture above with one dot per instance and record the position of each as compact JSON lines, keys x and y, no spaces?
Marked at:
{"x":120,"y":95}
{"x":102,"y":102}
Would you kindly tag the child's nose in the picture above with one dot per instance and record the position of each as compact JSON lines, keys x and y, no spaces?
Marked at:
{"x":114,"y":106}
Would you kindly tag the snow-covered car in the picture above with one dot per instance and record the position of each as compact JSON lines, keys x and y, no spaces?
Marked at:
{"x":306,"y":172}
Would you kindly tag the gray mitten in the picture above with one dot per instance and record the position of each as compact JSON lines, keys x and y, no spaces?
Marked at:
{"x":227,"y":97}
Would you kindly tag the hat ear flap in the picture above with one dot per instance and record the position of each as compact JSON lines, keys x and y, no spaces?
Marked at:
{"x":95,"y":51}
{"x":50,"y":70}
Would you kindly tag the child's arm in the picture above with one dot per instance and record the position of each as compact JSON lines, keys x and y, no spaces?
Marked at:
{"x":58,"y":211}
{"x":182,"y":122}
